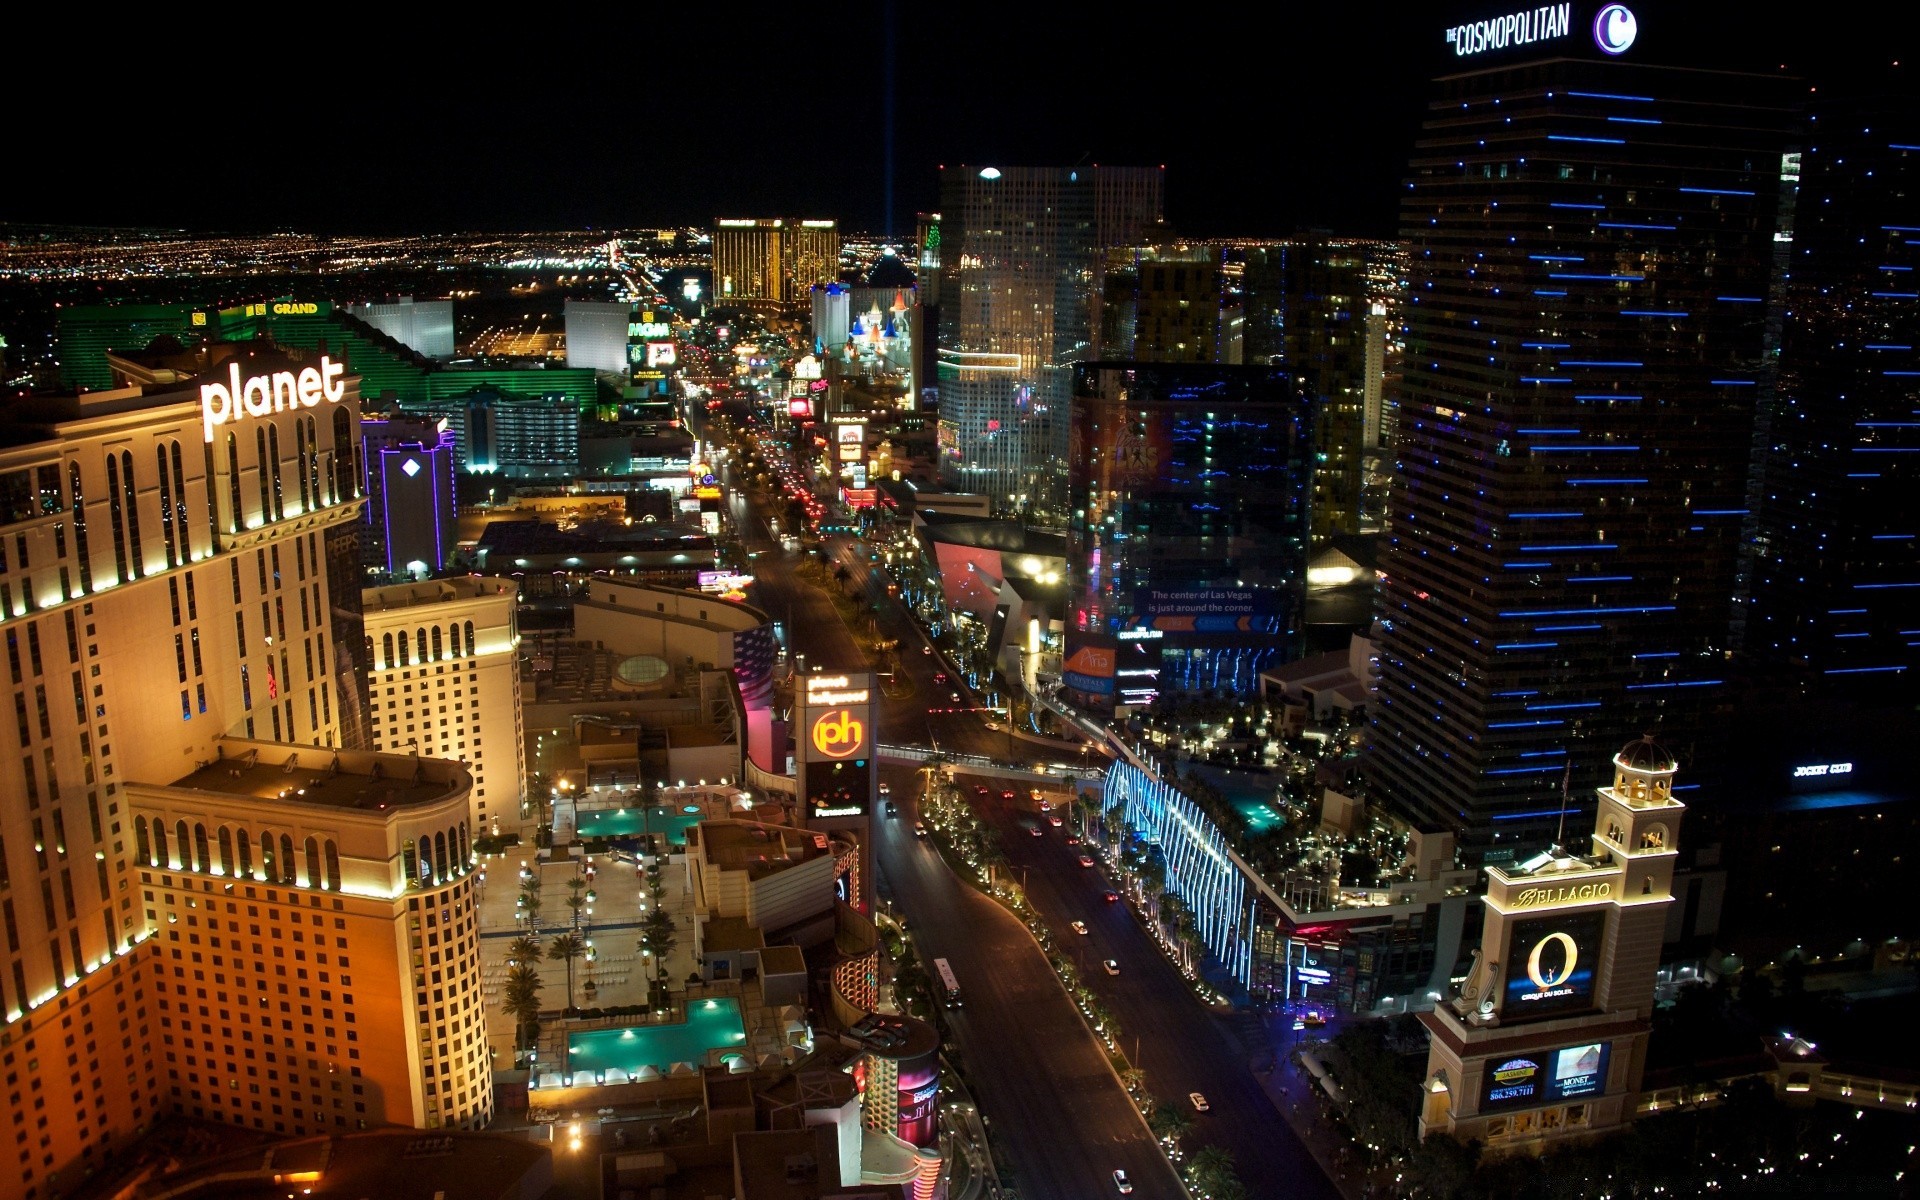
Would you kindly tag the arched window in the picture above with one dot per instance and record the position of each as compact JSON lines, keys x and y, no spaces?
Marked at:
{"x":130,"y":498}
{"x":77,"y":499}
{"x":286,"y":859}
{"x":420,"y":645}
{"x":244,"y":844}
{"x":236,"y":520}
{"x":437,"y":655}
{"x":142,"y":844}
{"x":409,"y":861}
{"x":266,"y":481}
{"x":202,"y":861}
{"x":386,"y":650}
{"x":313,"y":862}
{"x":180,"y":505}
{"x":345,"y":446}
{"x":273,"y":463}
{"x":333,"y":866}
{"x":440,"y":873}
{"x":269,"y":859}
{"x":469,"y":637}
{"x":167,"y":529}
{"x":313,"y":460}
{"x":300,"y":463}
{"x":406,"y":650}
{"x":453,"y":638}
{"x":466,"y":850}
{"x":117,"y":516}
{"x":182,"y":846}
{"x":160,"y":858}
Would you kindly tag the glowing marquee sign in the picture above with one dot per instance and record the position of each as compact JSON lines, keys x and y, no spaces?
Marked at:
{"x":838,"y":734}
{"x":260,"y":395}
{"x":1817,"y":770}
{"x":1514,"y":29}
{"x":834,"y":689}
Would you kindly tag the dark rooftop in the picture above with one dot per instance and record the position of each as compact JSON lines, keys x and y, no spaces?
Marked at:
{"x":325,"y":777}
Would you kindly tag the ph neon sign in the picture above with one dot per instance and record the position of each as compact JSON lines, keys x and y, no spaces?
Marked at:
{"x":259,"y":395}
{"x":838,"y":734}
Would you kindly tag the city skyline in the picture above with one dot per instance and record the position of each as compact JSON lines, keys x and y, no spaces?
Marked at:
{"x":1266,"y":124}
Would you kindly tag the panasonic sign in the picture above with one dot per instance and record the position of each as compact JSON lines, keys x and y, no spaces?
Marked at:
{"x":259,"y":395}
{"x":1514,"y":29}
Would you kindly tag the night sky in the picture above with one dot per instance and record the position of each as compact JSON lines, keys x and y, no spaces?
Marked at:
{"x":1267,"y":122}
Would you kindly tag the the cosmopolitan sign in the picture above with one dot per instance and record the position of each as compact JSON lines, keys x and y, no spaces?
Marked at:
{"x":259,"y":395}
{"x":1515,"y":29}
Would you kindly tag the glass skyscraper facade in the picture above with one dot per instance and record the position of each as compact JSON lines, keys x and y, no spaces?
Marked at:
{"x":1190,"y":515}
{"x":1590,"y":244}
{"x":1837,"y":577}
{"x":1021,"y":274}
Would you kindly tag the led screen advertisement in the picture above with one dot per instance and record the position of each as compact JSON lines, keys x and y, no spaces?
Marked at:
{"x":836,"y":745}
{"x":1550,"y":964}
{"x":1565,"y":1074}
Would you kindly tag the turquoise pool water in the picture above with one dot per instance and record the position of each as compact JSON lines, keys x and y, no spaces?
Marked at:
{"x":710,"y":1024}
{"x":1251,"y":797}
{"x":631,"y":822}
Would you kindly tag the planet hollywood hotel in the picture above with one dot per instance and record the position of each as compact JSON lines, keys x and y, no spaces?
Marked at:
{"x":212,"y":897}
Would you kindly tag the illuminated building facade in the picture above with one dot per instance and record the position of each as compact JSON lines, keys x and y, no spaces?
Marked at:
{"x":412,"y":519}
{"x":1308,"y":310}
{"x":1189,"y":487}
{"x":1547,"y":1040}
{"x":425,"y":327}
{"x":836,"y":757}
{"x":176,"y":571}
{"x":1170,"y":306}
{"x":1022,"y":273}
{"x":1837,"y":580}
{"x":772,"y":262}
{"x":597,"y":335}
{"x":444,"y":682}
{"x":316,"y":961}
{"x":1573,"y":439}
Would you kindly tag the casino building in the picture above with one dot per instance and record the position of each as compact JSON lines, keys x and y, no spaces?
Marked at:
{"x":1547,"y":1040}
{"x":179,"y":569}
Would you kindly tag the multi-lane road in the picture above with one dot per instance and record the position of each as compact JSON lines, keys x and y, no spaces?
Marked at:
{"x":1058,"y":1113}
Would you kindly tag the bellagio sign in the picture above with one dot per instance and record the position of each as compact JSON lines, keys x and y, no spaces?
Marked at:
{"x":259,"y":395}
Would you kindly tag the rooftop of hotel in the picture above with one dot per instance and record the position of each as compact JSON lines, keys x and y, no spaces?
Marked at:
{"x":436,"y":591}
{"x":753,"y":847}
{"x":330,"y":778}
{"x":402,"y":1164}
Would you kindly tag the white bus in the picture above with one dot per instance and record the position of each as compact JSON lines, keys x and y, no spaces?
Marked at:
{"x":949,"y":986}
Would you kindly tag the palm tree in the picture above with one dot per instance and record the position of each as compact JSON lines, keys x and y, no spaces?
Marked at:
{"x":1133,"y":1079}
{"x":566,"y":947}
{"x":1168,"y":1123}
{"x":522,"y":1000}
{"x":1212,"y":1167}
{"x":524,"y":949}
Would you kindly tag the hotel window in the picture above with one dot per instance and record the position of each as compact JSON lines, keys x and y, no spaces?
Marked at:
{"x":79,"y":509}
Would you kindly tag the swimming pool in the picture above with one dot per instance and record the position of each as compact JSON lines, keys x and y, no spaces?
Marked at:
{"x":631,"y":822}
{"x":709,"y":1025}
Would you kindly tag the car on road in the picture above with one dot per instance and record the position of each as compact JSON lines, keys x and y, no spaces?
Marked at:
{"x":1122,"y":1183}
{"x":939,"y":676}
{"x":1035,"y":830}
{"x":919,"y":829}
{"x":1313,"y":1020}
{"x":956,"y":697}
{"x":1006,"y":795}
{"x":981,"y":789}
{"x":1073,"y":839}
{"x":1112,"y":895}
{"x":1055,"y":821}
{"x":886,"y":789}
{"x":1086,"y":860}
{"x":1112,"y":966}
{"x":1079,"y":927}
{"x":1199,"y":1102}
{"x":926,"y":649}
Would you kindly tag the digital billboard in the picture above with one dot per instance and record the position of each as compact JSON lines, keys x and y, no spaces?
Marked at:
{"x":836,"y":745}
{"x":1550,"y":964}
{"x":1208,"y":610}
{"x":1565,"y":1074}
{"x":1088,"y":672}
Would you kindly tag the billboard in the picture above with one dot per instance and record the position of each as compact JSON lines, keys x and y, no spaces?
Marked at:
{"x":836,"y":744}
{"x":1565,"y":1074}
{"x":1550,"y":964}
{"x":1088,"y":672}
{"x":1208,"y":610}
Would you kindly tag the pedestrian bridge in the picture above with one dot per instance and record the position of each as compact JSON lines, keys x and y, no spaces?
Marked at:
{"x":980,"y":764}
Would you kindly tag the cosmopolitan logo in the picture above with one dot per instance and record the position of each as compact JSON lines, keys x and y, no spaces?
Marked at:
{"x":1514,"y":29}
{"x":1535,"y":897}
{"x":259,"y":395}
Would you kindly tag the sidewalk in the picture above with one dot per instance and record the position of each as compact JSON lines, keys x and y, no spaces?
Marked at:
{"x":1291,"y":1089}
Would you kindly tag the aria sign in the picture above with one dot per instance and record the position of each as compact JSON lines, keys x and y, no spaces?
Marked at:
{"x":260,"y":395}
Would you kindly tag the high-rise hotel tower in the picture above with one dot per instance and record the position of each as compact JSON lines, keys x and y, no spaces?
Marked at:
{"x":180,"y":590}
{"x":1590,"y":240}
